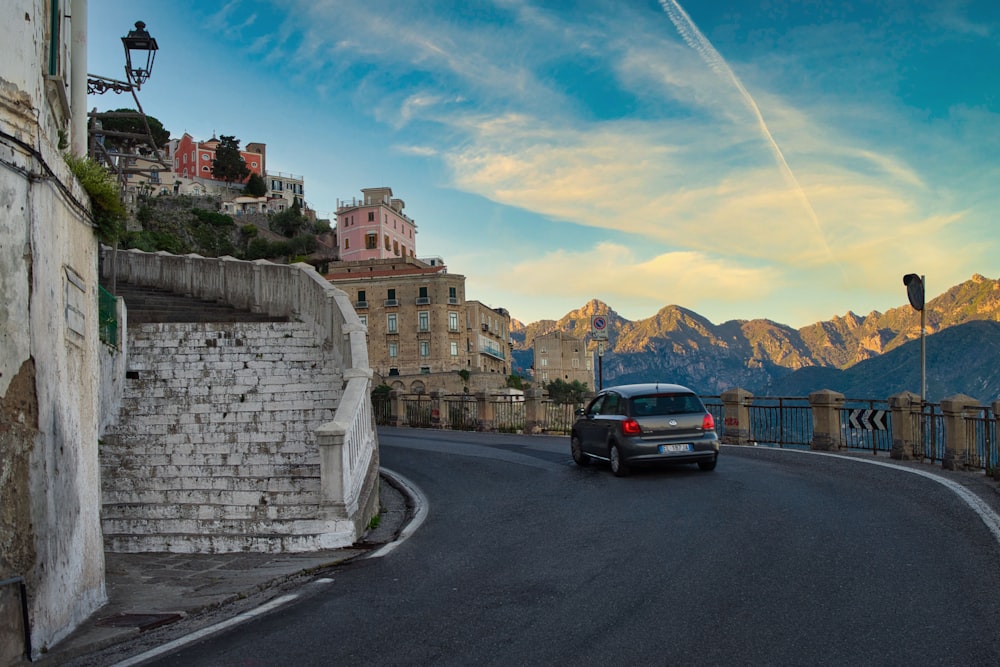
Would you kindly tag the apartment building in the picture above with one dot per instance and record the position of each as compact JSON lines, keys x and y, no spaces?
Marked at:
{"x":560,"y":356}
{"x":285,"y":190}
{"x":421,"y":330}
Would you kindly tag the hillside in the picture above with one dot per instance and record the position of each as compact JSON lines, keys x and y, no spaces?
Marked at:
{"x":763,"y":356}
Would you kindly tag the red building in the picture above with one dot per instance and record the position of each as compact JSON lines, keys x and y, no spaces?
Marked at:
{"x":193,"y":159}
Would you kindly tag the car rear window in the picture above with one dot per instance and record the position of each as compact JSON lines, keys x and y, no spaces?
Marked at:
{"x":666,"y":404}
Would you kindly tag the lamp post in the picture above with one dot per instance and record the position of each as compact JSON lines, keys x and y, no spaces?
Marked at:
{"x":139,"y":42}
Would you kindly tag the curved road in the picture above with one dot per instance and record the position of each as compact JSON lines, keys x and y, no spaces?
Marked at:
{"x":774,"y":558}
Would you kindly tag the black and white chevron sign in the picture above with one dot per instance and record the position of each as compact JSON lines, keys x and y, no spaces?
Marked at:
{"x":868,"y":420}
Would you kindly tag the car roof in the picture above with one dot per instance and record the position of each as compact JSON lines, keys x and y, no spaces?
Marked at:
{"x":630,"y":390}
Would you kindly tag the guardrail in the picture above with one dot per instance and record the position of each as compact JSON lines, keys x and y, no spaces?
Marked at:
{"x":956,"y":433}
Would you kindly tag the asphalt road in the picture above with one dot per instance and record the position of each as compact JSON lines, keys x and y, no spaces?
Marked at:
{"x":774,"y":558}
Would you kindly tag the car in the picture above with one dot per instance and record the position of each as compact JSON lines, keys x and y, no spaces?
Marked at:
{"x":637,"y":424}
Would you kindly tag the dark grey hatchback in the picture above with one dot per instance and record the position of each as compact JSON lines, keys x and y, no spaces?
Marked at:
{"x":645,"y":423}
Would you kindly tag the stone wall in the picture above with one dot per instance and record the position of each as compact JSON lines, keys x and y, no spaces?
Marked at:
{"x":49,"y":486}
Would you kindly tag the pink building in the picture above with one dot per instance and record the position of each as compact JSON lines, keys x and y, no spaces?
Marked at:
{"x":193,"y":159}
{"x":375,"y":227}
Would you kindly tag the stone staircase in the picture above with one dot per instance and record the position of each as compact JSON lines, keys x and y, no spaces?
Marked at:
{"x":214,"y":449}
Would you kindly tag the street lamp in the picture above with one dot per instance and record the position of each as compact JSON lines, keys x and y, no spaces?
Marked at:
{"x":136,"y":43}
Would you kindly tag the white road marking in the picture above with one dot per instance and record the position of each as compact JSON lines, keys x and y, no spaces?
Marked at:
{"x":205,"y":632}
{"x":420,"y":506}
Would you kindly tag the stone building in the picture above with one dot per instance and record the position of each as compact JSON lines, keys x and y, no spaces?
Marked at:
{"x":50,"y":532}
{"x":421,"y":330}
{"x":559,"y":356}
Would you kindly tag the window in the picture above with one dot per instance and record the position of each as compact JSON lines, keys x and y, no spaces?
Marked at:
{"x":452,"y":321}
{"x":545,"y":362}
{"x":454,"y":348}
{"x":362,"y":296}
{"x":423,"y":293}
{"x":364,"y":319}
{"x":391,"y":294}
{"x":393,"y":350}
{"x":371,"y":241}
{"x":347,"y":244}
{"x":371,"y":216}
{"x":395,"y":248}
{"x":576,"y":363}
{"x":425,"y":348}
{"x":425,"y":369}
{"x":388,"y":245}
{"x":391,"y":324}
{"x":423,"y":321}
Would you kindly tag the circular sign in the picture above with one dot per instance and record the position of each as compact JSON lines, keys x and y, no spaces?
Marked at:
{"x":599,"y":323}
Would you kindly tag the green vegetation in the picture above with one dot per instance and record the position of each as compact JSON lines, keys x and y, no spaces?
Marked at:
{"x":566,"y":392}
{"x":255,"y":187}
{"x":132,"y":125}
{"x":229,"y":165}
{"x":105,"y":197}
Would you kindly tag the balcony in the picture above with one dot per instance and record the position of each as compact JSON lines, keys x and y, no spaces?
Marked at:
{"x":391,"y":302}
{"x":485,"y":327}
{"x":453,"y":301}
{"x":423,"y":300}
{"x":361,"y":304}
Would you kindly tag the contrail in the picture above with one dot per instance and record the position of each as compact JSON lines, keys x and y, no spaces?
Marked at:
{"x":696,"y":40}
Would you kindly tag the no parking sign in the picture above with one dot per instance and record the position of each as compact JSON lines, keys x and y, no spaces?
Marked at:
{"x":599,"y":327}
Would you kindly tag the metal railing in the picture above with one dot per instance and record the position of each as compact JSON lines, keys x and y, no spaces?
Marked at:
{"x":866,"y":424}
{"x":785,"y":422}
{"x":508,"y":414}
{"x":461,"y":412}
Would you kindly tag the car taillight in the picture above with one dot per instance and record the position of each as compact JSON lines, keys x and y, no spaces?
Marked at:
{"x":708,"y":423}
{"x":631,"y":427}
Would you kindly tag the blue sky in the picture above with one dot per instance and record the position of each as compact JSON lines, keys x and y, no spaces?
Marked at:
{"x":788,"y":160}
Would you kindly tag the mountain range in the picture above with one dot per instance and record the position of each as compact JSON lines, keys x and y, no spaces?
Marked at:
{"x":862,"y":356}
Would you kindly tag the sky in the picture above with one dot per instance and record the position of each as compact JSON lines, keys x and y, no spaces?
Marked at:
{"x":780,"y":159}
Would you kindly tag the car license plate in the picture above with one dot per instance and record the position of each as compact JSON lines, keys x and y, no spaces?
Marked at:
{"x":664,"y":449}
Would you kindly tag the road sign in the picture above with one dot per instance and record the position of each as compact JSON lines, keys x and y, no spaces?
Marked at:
{"x":868,"y":420}
{"x":599,"y":327}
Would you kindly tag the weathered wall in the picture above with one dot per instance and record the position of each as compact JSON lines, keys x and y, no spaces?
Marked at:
{"x":49,"y":494}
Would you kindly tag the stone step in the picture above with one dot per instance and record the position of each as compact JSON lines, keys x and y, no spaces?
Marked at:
{"x":200,"y":543}
{"x":207,"y":512}
{"x":214,"y":527}
{"x":204,"y":496}
{"x":181,"y":485}
{"x":148,"y":305}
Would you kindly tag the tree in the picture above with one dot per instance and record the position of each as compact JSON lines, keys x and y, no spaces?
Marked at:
{"x":130,"y":123}
{"x":229,"y":165}
{"x":255,"y":187}
{"x":289,"y":222}
{"x":566,"y":392}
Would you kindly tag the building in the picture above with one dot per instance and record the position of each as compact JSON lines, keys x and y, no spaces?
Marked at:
{"x":422,"y":332}
{"x":193,"y":159}
{"x":50,"y":350}
{"x":559,"y":356}
{"x":285,"y":190}
{"x":375,"y":227}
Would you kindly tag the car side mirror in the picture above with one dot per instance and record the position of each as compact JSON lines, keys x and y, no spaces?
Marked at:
{"x":579,"y":412}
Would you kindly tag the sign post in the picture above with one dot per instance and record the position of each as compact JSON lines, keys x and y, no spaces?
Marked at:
{"x":915,"y":290}
{"x":599,"y":332}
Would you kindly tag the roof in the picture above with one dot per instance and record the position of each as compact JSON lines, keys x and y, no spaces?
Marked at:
{"x":629,"y":390}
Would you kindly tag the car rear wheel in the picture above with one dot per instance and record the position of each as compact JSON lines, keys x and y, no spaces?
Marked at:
{"x":709,"y":465}
{"x":576,"y":447}
{"x":618,"y":465}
